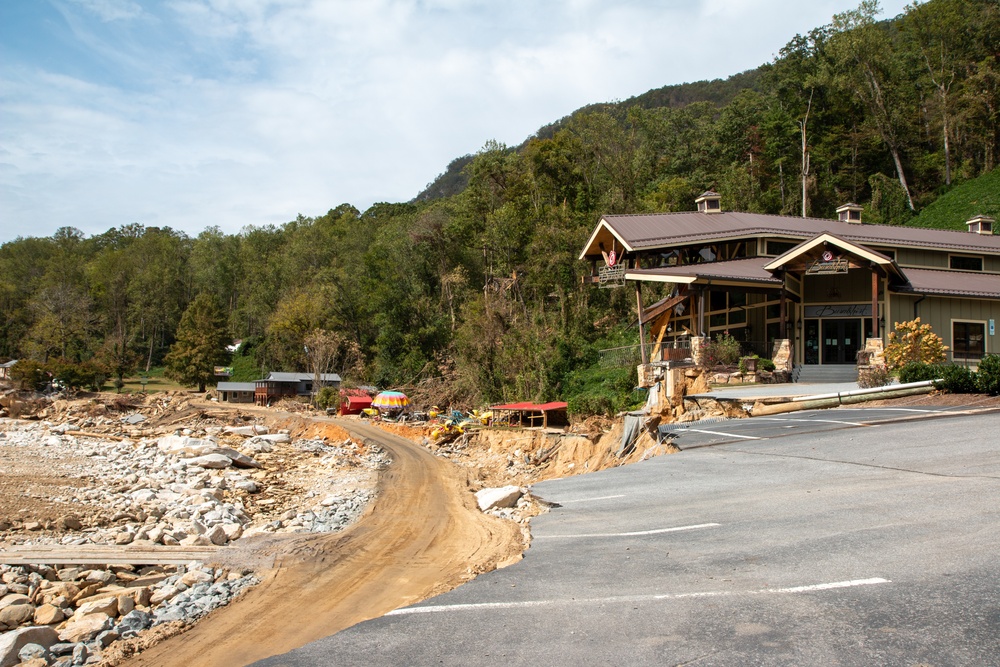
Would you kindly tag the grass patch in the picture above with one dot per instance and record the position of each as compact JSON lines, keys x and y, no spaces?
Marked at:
{"x":980,"y":196}
{"x":157,"y":382}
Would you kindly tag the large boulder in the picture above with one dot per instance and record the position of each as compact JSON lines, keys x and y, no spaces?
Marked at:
{"x":239,"y":460}
{"x":85,"y":628}
{"x":12,"y":599}
{"x":16,"y":614}
{"x":49,"y":614}
{"x":505,"y":496}
{"x":12,"y":642}
{"x":183,"y":446}
{"x":214,"y":461}
{"x":107,"y":606}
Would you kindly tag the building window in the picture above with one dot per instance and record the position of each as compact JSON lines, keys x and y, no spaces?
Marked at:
{"x":779,"y":247}
{"x":968,"y":340}
{"x":964,"y":263}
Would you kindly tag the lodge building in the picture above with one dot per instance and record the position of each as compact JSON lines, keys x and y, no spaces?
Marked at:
{"x":823,"y":286}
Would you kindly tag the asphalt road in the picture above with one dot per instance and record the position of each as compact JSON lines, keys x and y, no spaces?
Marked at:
{"x":863,"y":539}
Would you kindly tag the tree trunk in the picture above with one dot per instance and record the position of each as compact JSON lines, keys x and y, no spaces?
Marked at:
{"x":902,"y":176}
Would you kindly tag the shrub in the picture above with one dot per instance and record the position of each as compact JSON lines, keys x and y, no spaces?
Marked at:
{"x":916,"y":371}
{"x":328,"y":397}
{"x":913,"y":342}
{"x":875,"y":376}
{"x":957,"y":379}
{"x":723,"y":351}
{"x":988,"y":375}
{"x":599,"y":391}
{"x":29,"y":375}
{"x":762,"y":364}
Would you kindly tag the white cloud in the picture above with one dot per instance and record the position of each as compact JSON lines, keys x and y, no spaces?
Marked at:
{"x":112,"y":10}
{"x":235,"y":112}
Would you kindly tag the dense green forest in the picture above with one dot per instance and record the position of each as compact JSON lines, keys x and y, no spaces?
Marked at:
{"x":477,"y":280}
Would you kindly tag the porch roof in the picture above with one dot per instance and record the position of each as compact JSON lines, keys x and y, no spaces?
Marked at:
{"x":967,"y":284}
{"x":235,"y":386}
{"x":734,"y":271}
{"x":809,"y":249}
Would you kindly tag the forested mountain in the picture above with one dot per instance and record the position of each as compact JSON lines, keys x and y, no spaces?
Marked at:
{"x":478,"y":280}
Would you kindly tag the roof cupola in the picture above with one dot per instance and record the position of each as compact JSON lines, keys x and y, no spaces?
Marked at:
{"x":981,"y":224}
{"x":709,"y":202}
{"x":850,"y":213}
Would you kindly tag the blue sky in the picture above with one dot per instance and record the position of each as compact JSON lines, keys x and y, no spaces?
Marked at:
{"x":193,"y":113}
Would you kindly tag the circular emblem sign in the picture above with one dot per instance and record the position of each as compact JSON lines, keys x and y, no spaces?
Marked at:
{"x":612,"y":258}
{"x":827,"y":256}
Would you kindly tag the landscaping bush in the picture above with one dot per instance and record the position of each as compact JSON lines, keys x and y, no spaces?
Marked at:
{"x":957,"y":379}
{"x":723,"y":351}
{"x":914,"y":342}
{"x":917,"y":371}
{"x":988,"y":375}
{"x":765,"y":365}
{"x":875,"y":376}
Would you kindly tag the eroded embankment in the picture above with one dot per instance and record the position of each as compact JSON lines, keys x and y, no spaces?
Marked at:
{"x":325,"y":583}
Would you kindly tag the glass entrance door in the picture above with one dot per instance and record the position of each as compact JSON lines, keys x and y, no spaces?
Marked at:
{"x":841,"y":341}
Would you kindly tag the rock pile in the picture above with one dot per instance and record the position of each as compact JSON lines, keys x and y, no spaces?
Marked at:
{"x":69,"y":616}
{"x":182,"y":490}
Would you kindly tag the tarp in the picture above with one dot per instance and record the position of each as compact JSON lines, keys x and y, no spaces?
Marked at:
{"x":631,"y":431}
{"x":539,"y":407}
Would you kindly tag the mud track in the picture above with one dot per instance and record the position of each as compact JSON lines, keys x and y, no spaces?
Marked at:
{"x":422,"y":536}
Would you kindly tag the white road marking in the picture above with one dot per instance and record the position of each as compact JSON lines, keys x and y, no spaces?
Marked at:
{"x":912,"y":410}
{"x":656,"y":531}
{"x":433,"y":609}
{"x":728,"y":435}
{"x":802,"y":421}
{"x":587,"y":500}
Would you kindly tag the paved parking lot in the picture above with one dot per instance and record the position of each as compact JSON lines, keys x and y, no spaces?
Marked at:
{"x":840,"y":537}
{"x":707,"y":432}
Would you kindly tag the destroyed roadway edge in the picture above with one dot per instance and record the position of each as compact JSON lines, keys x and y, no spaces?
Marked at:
{"x":421,"y":536}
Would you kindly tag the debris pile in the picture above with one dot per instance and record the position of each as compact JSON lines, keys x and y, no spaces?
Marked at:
{"x":144,"y":475}
{"x":183,"y":490}
{"x":69,"y":616}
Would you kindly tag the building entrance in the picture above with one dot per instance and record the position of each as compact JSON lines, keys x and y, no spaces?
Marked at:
{"x":835,"y":340}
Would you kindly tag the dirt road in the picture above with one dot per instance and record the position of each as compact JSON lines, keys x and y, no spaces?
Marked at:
{"x":422,"y":536}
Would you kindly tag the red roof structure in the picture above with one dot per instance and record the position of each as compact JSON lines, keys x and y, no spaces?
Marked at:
{"x":530,"y":414}
{"x":353,"y":401}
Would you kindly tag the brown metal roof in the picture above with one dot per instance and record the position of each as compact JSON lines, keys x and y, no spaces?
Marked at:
{"x":745,"y":270}
{"x":647,"y":231}
{"x":967,"y":284}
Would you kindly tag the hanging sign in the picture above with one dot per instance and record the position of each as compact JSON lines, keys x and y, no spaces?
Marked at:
{"x":839,"y":310}
{"x":829,"y":264}
{"x":612,"y":258}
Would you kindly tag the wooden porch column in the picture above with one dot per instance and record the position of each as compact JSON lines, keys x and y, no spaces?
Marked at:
{"x":701,"y":311}
{"x":783,"y":304}
{"x":642,"y":330}
{"x":875,"y":331}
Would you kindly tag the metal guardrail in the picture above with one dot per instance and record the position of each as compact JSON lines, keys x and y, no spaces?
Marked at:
{"x":631,"y":355}
{"x":617,"y":357}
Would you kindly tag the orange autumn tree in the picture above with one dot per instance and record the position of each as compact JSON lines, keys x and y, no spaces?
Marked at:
{"x":913,"y":341}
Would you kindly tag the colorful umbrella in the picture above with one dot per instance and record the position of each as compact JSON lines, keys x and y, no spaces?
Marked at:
{"x":391,"y":399}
